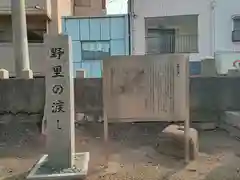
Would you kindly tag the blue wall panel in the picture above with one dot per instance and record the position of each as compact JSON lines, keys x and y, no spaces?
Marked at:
{"x":94,"y":68}
{"x":95,"y":29}
{"x":118,"y":28}
{"x":76,"y":47}
{"x":118,"y":47}
{"x":72,"y":29}
{"x":105,"y":29}
{"x":84,"y":29}
{"x":112,"y":30}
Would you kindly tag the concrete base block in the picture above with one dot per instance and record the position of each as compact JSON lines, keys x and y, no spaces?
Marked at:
{"x":79,"y":117}
{"x":233,"y":72}
{"x":231,"y":123}
{"x":208,"y":67}
{"x":204,"y":126}
{"x":233,"y":131}
{"x":4,"y":74}
{"x":41,"y":171}
{"x":27,"y":74}
{"x":177,"y":134}
{"x":80,"y":73}
{"x":232,"y":118}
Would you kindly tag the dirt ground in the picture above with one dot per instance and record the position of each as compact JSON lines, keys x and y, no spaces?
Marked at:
{"x":136,"y":152}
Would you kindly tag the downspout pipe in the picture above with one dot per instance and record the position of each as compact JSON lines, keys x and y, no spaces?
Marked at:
{"x":131,"y":25}
{"x":213,"y":27}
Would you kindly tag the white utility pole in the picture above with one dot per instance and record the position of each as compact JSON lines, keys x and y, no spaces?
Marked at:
{"x":20,"y":40}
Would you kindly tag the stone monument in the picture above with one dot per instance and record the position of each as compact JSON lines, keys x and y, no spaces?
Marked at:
{"x":61,"y":160}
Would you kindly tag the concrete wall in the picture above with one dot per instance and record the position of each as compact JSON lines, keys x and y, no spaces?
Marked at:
{"x":22,"y":96}
{"x":209,"y":97}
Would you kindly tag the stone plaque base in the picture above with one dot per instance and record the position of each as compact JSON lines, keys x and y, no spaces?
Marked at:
{"x":42,"y":171}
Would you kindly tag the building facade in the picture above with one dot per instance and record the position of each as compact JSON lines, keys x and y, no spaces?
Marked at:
{"x":198,"y":27}
{"x":42,"y":16}
{"x":89,"y":7}
{"x":95,"y":38}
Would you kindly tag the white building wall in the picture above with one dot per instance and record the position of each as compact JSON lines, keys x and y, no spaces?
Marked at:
{"x":214,"y":25}
{"x":224,"y":11}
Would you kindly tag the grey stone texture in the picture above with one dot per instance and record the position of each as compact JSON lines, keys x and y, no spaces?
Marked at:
{"x":177,"y":134}
{"x":4,"y":74}
{"x":209,"y":97}
{"x":27,"y":74}
{"x":42,"y":170}
{"x":59,"y":102}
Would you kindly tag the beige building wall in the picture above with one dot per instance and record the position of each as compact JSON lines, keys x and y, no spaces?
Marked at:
{"x":5,"y":29}
{"x":46,"y":19}
{"x":65,"y":8}
{"x":60,"y":8}
{"x":89,"y":7}
{"x":52,"y":24}
{"x":34,"y":23}
{"x":49,"y":20}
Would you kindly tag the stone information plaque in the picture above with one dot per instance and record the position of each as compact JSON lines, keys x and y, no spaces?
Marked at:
{"x":60,"y":102}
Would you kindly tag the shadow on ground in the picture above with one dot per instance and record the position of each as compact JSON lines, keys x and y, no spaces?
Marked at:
{"x":21,"y":176}
{"x":149,"y":134}
{"x":229,"y":169}
{"x":16,"y":139}
{"x":136,"y":150}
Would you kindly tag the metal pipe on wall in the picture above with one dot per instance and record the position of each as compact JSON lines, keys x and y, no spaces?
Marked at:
{"x":212,"y":25}
{"x":131,"y":20}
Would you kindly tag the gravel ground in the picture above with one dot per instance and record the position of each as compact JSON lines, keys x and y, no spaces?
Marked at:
{"x":134,"y":151}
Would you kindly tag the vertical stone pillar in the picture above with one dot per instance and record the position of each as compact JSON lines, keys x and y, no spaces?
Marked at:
{"x":61,"y":161}
{"x":20,"y":40}
{"x":59,"y":102}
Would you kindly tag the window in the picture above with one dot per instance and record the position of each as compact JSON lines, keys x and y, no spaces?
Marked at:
{"x":236,"y":29}
{"x":82,"y":3}
{"x":5,"y":36}
{"x":95,"y":50}
{"x":161,"y":40}
{"x":35,"y":35}
{"x":236,"y":23}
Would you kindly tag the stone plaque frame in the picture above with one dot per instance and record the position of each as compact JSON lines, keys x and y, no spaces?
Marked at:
{"x":144,"y":88}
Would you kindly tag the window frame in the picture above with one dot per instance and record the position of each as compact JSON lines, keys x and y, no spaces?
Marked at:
{"x":95,"y":42}
{"x":81,"y":4}
{"x":235,"y":30}
{"x":234,"y":19}
{"x":41,"y":40}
